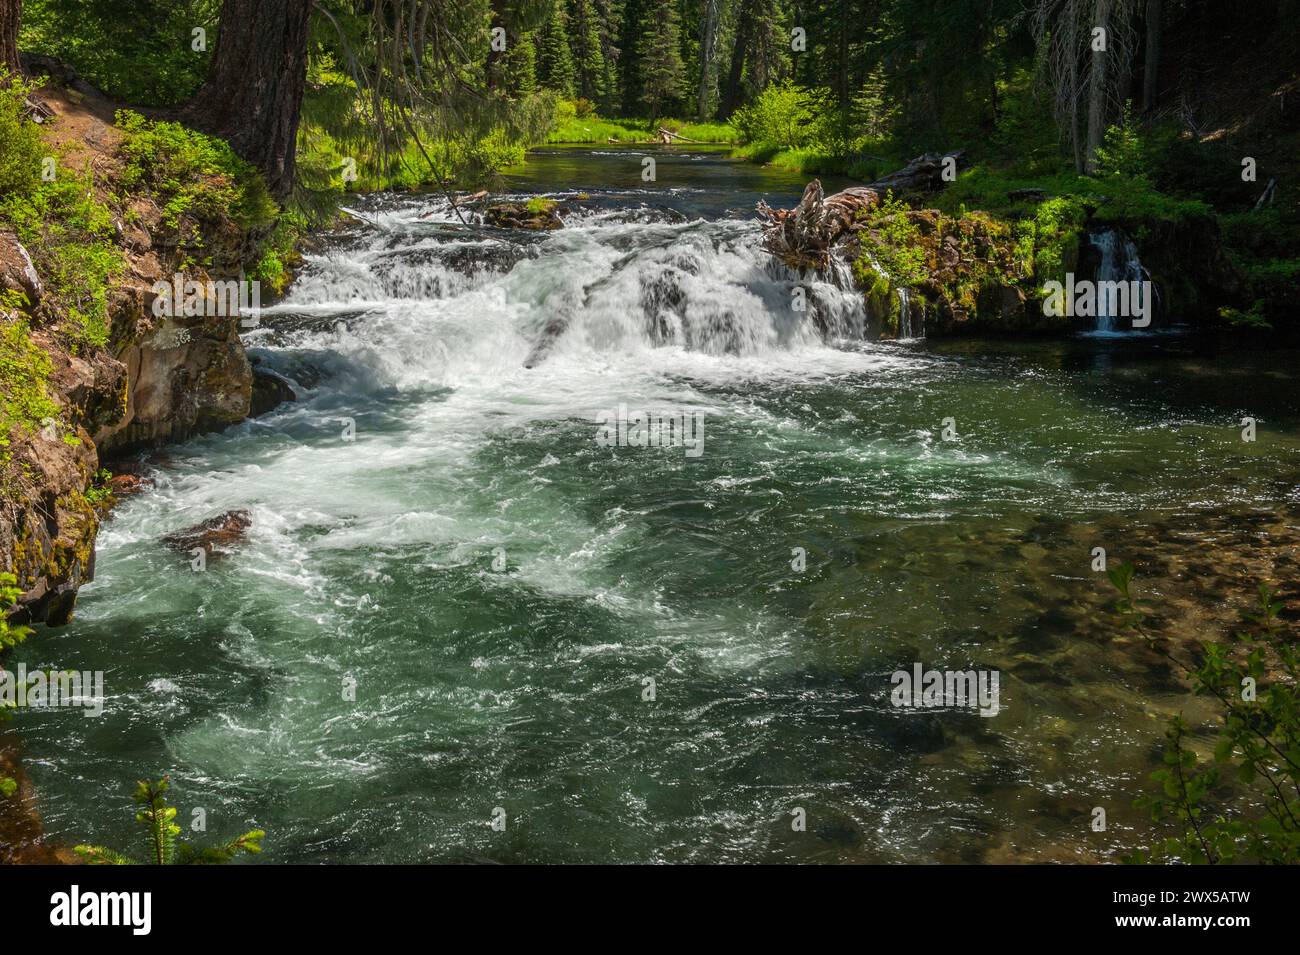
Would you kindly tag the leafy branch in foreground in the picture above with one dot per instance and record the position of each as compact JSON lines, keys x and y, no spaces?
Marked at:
{"x":159,"y":819}
{"x":1253,"y":677}
{"x":10,"y":635}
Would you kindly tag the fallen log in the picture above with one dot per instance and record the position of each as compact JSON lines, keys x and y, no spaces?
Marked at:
{"x":804,"y":236}
{"x":922,"y":174}
{"x":667,"y":136}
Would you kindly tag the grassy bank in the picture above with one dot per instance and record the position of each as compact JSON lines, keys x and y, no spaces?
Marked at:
{"x":576,"y":122}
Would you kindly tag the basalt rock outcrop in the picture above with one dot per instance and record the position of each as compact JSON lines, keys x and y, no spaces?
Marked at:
{"x":159,"y":379}
{"x":973,"y":273}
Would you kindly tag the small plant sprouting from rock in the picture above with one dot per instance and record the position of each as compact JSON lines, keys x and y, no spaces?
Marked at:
{"x":1254,"y":676}
{"x":159,"y":819}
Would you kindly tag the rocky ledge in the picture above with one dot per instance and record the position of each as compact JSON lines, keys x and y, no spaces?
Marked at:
{"x":158,"y":379}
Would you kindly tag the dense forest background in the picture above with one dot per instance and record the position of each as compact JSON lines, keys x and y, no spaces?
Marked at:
{"x":1149,"y":109}
{"x":937,"y":73}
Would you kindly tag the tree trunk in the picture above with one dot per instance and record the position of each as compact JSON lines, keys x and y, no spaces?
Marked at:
{"x":11,"y":13}
{"x":1151,"y":69}
{"x":738,"y":53}
{"x":1075,"y":91}
{"x":1098,"y":78}
{"x":842,"y":74}
{"x":708,"y":44}
{"x":252,"y":97}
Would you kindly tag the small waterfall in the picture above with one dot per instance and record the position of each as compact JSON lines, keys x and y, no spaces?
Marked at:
{"x":905,"y":318}
{"x":1119,"y":263}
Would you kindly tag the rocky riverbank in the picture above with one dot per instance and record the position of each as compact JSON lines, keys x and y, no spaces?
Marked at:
{"x":924,"y":271}
{"x":161,"y":375}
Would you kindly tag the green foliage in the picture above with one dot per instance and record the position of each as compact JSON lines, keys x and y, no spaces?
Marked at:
{"x":100,"y":491}
{"x":1243,"y":804}
{"x":1048,"y":242}
{"x":25,"y":400}
{"x":572,"y":123}
{"x":336,"y":137}
{"x":1253,"y":317}
{"x":65,"y":228}
{"x":873,"y":111}
{"x":892,"y":238}
{"x":662,"y":72}
{"x":188,"y":173}
{"x":555,"y":69}
{"x":10,"y":634}
{"x":21,"y":149}
{"x":1263,"y":244}
{"x":69,"y":234}
{"x":138,"y":51}
{"x":1122,"y":152}
{"x":781,"y":115}
{"x":159,"y":820}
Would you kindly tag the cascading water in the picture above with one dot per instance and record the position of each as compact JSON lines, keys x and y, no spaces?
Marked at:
{"x":905,"y":320}
{"x":1119,"y":263}
{"x":604,"y":283}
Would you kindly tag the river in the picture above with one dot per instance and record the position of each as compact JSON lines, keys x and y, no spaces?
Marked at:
{"x":640,"y":654}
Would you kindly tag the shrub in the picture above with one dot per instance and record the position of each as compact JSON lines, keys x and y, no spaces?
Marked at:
{"x":189,"y":173}
{"x":70,"y":237}
{"x":21,"y":148}
{"x":1256,"y":745}
{"x":1047,"y":244}
{"x":1122,"y":151}
{"x":893,"y":240}
{"x":783,"y":115}
{"x":136,"y":51}
{"x":24,"y":372}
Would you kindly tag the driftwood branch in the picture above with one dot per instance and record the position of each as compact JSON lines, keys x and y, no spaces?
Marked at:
{"x":804,"y":236}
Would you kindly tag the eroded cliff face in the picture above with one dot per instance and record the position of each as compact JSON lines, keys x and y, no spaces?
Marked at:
{"x":160,"y":379}
{"x":185,"y":375}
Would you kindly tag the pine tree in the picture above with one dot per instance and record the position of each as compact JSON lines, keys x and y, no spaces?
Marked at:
{"x":607,"y":16}
{"x":588,"y":55}
{"x":520,"y":66}
{"x":662,"y":71}
{"x":555,"y":69}
{"x":630,"y":80}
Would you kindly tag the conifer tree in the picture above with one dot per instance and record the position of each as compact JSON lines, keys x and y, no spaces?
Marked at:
{"x":608,"y":13}
{"x":588,"y":54}
{"x":520,"y":66}
{"x":11,"y":12}
{"x":662,"y":71}
{"x":555,"y":68}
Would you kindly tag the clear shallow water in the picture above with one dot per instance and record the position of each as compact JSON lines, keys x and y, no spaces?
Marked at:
{"x":372,"y":559}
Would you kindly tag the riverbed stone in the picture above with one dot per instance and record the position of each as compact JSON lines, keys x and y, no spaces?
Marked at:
{"x":216,"y":535}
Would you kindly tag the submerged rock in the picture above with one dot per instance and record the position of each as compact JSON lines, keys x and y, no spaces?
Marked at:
{"x":126,"y":485}
{"x":269,"y":391}
{"x":216,"y":535}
